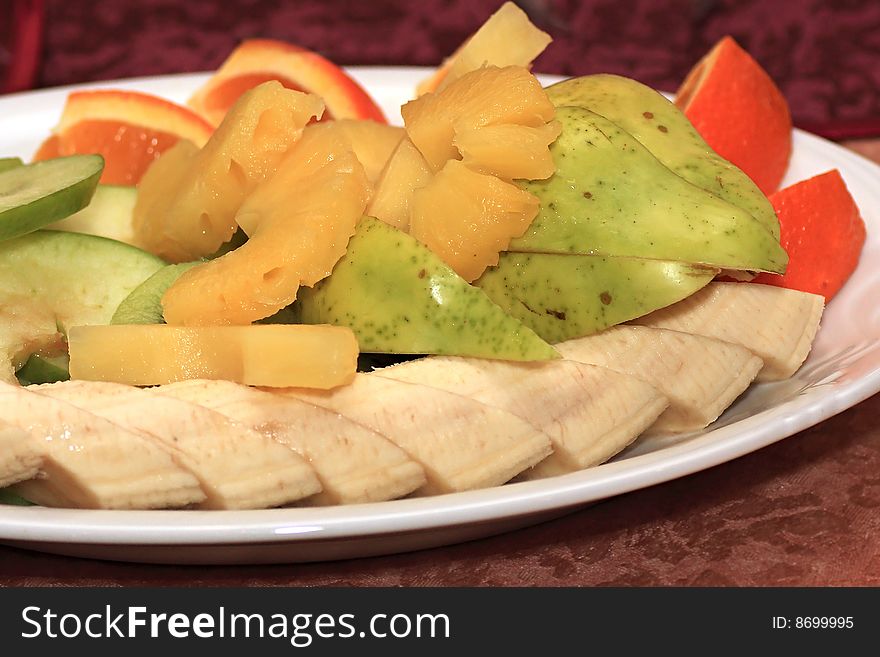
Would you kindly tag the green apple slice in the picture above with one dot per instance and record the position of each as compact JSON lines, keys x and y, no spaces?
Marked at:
{"x":51,"y":280}
{"x":399,"y":297}
{"x":36,"y":195}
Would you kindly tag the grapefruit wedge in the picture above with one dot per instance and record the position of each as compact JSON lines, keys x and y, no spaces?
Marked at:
{"x":823,"y":233}
{"x":740,"y":112}
{"x":259,"y":60}
{"x":129,"y":129}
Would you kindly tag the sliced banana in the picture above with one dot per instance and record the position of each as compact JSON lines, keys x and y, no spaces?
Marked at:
{"x":237,"y":467}
{"x":90,"y":462}
{"x":437,"y":425}
{"x":20,"y":455}
{"x":461,"y":443}
{"x":776,"y":324}
{"x":353,"y":463}
{"x":589,"y":413}
{"x":700,"y":376}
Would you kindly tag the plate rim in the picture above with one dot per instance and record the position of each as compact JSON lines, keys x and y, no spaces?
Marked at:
{"x":304,"y":524}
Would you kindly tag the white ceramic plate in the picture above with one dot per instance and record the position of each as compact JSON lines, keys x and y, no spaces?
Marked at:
{"x":843,"y":369}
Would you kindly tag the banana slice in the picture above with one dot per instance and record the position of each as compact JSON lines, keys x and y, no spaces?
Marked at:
{"x":353,"y":463}
{"x":237,"y":467}
{"x":700,"y":376}
{"x":90,"y":462}
{"x":461,"y":443}
{"x":776,"y":324}
{"x":589,"y":413}
{"x":20,"y":455}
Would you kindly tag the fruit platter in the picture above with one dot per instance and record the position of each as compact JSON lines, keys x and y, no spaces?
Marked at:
{"x":284,"y":311}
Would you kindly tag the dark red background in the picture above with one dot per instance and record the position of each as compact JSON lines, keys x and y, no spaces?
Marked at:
{"x":825,"y":54}
{"x":805,"y":511}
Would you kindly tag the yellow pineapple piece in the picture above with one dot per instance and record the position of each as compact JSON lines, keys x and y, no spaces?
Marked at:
{"x":298,"y":221}
{"x":467,"y":217}
{"x":274,"y":355}
{"x":507,"y":38}
{"x":188,"y":198}
{"x":486,"y":128}
{"x":510,"y":151}
{"x":372,"y":142}
{"x":484,"y":97}
{"x":158,"y":204}
{"x":405,"y":172}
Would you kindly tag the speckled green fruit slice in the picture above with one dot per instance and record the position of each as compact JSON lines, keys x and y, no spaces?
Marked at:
{"x":8,"y":497}
{"x":398,"y":297}
{"x":36,"y":195}
{"x":108,"y":214}
{"x":51,"y":280}
{"x":44,"y":369}
{"x":7,"y":163}
{"x":143,"y":305}
{"x":664,"y":130}
{"x":82,"y":278}
{"x":610,"y":196}
{"x":568,"y":296}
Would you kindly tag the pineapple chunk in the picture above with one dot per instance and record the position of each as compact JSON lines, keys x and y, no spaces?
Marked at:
{"x":372,"y":142}
{"x":273,"y":355}
{"x":487,"y":96}
{"x":480,"y":132}
{"x":507,"y":38}
{"x":188,"y":198}
{"x":405,"y":172}
{"x":510,"y":151}
{"x":467,"y":218}
{"x":299,"y":222}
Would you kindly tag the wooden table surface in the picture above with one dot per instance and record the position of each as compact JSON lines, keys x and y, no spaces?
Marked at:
{"x":804,"y":511}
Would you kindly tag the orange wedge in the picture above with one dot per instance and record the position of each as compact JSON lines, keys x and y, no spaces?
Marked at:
{"x":128,"y":128}
{"x":740,"y":112}
{"x":259,"y":60}
{"x":823,"y":232}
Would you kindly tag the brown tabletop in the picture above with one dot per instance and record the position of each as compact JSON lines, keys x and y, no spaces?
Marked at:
{"x":804,"y":511}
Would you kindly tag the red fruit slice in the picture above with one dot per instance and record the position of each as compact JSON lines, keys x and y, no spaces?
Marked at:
{"x":259,"y":60}
{"x":823,"y":232}
{"x":129,"y":129}
{"x":740,"y":112}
